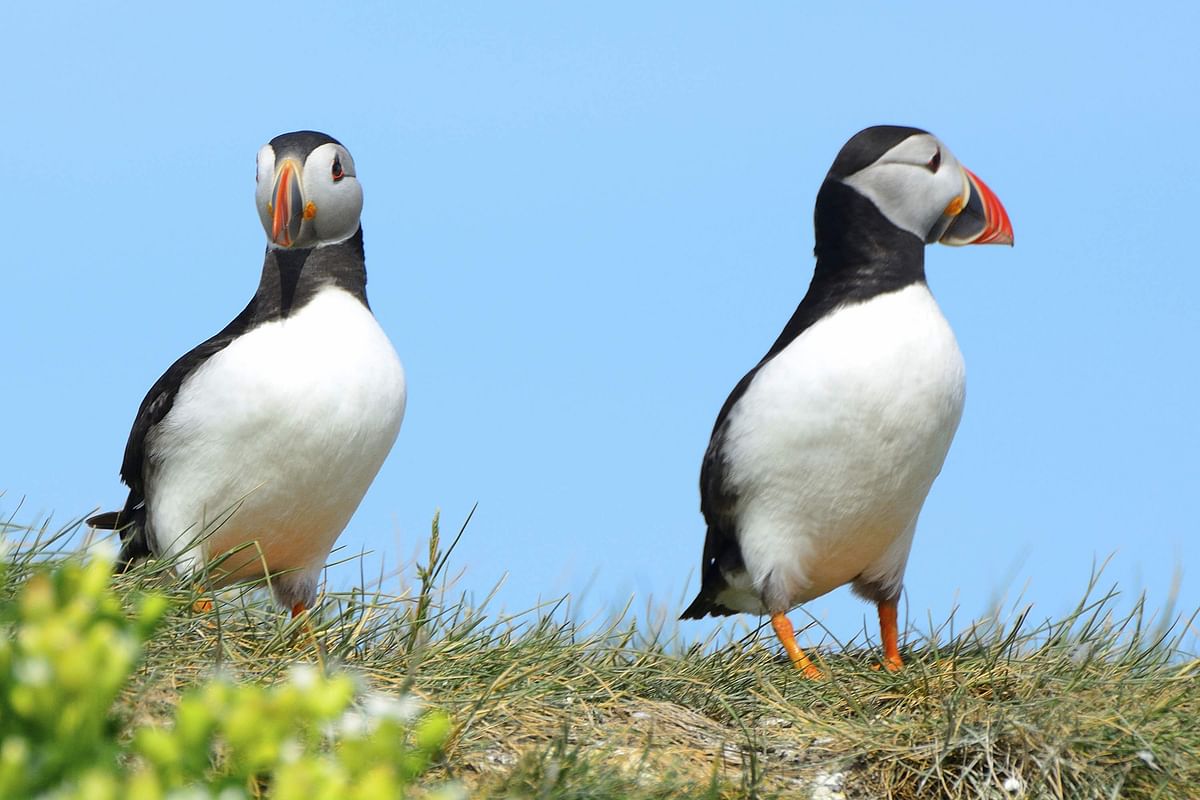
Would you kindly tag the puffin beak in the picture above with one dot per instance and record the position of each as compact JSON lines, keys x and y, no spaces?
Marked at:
{"x":981,"y":220}
{"x":287,"y":205}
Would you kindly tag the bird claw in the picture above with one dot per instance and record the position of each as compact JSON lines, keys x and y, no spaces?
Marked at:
{"x":891,"y":664}
{"x":202,"y":606}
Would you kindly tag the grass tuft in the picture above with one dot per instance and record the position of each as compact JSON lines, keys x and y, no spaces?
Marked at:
{"x":1094,"y":704}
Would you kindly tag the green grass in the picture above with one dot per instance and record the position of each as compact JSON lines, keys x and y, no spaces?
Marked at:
{"x":1095,"y":704}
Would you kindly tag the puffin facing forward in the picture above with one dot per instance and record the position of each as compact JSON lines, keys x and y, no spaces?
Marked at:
{"x":252,"y":451}
{"x":822,"y":456}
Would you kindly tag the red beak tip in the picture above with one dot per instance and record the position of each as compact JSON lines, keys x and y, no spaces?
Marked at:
{"x":999,"y":227}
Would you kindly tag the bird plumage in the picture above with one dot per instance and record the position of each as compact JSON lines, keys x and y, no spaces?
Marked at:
{"x":822,"y":455}
{"x":264,"y":438}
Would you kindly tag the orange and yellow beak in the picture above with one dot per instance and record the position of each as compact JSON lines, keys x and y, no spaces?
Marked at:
{"x":287,"y":204}
{"x":980,"y":220}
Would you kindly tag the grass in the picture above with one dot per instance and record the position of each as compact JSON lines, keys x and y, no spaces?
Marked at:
{"x":1095,"y":704}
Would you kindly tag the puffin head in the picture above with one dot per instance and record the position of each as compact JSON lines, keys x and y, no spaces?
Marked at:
{"x":919,"y":186}
{"x":307,"y":193}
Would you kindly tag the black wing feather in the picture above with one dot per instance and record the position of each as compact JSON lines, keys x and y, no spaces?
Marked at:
{"x":161,"y":397}
{"x":130,"y":521}
{"x":718,"y":500}
{"x":860,"y":254}
{"x":290,"y":279}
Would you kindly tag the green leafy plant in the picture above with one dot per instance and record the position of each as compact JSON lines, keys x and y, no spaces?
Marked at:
{"x":67,"y":649}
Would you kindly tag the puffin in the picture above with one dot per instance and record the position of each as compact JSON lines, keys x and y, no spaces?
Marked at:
{"x":249,"y":455}
{"x":822,"y":455}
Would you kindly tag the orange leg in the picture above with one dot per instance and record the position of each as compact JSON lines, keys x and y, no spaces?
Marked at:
{"x":890,"y":633}
{"x":787,"y":637}
{"x":298,"y":609}
{"x":204,"y":604}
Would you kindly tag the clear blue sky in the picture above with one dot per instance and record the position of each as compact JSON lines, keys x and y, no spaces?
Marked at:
{"x":583,"y":226}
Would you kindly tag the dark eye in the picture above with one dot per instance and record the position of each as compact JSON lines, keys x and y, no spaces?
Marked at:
{"x":935,"y":162}
{"x":338,"y":174}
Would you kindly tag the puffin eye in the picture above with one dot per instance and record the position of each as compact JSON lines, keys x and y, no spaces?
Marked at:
{"x":935,"y":162}
{"x":338,"y":174}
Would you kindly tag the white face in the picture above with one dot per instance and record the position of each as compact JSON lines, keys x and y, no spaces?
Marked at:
{"x":317,"y":203}
{"x":918,"y":185}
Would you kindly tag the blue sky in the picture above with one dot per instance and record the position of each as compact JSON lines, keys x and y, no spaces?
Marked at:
{"x":583,"y":226}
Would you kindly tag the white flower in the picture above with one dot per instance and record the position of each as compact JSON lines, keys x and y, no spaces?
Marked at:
{"x":105,"y":549}
{"x":291,"y":751}
{"x":376,"y":707}
{"x":304,"y":676}
{"x":353,"y":724}
{"x":400,"y":709}
{"x":33,"y":671}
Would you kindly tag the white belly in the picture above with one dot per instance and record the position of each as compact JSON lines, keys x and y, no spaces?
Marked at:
{"x":836,"y":442}
{"x":275,"y":439}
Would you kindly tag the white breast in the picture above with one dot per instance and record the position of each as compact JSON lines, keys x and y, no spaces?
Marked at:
{"x":834,"y":445}
{"x":276,"y":438}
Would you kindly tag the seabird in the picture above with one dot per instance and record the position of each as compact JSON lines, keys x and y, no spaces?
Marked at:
{"x":252,"y":451}
{"x":822,"y":456}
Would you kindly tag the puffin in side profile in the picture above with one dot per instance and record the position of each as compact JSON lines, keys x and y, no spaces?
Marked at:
{"x":252,"y":451}
{"x":822,"y":456}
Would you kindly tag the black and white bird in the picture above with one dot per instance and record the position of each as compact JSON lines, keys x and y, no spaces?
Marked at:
{"x":822,"y":456}
{"x":252,"y":451}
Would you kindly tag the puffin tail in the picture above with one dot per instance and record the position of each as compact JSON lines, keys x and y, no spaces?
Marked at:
{"x":700,"y":608}
{"x":722,"y":555}
{"x":105,"y":521}
{"x":706,"y":601}
{"x":135,"y":545}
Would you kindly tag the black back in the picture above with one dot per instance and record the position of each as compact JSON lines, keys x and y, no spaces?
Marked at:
{"x":860,"y":255}
{"x":290,"y":279}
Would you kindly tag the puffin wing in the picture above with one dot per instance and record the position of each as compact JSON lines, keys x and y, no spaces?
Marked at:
{"x":718,"y":498}
{"x":155,"y":406}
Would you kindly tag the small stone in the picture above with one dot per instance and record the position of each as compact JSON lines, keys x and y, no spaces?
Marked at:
{"x":828,"y":786}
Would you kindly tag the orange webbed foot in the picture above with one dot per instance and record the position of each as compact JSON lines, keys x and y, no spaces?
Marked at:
{"x":787,"y":637}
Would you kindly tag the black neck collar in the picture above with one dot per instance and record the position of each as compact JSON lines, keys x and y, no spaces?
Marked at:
{"x":291,"y":278}
{"x":860,"y":254}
